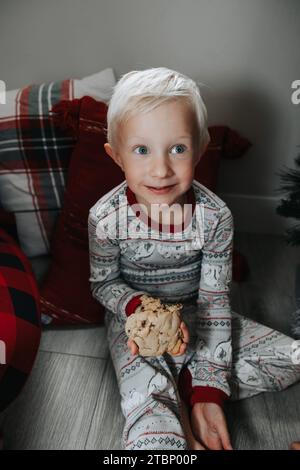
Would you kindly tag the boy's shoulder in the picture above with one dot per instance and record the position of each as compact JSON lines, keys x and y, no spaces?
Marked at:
{"x":109,"y":201}
{"x":207,"y":197}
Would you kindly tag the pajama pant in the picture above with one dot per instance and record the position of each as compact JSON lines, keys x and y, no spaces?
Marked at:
{"x":263,"y":360}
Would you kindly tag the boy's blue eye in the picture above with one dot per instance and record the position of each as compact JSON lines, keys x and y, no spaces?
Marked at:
{"x":141,"y":147}
{"x":180,"y":147}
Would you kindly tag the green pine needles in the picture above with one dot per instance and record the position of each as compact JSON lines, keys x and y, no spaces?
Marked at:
{"x":290,"y":206}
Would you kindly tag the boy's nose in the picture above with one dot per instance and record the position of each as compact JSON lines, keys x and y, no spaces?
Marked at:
{"x":160,"y":167}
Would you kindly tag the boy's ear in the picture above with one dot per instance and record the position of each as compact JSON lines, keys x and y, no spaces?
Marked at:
{"x":108,"y":149}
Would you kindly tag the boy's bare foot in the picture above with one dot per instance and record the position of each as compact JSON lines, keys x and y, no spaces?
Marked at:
{"x":192,"y":443}
{"x":295,"y":445}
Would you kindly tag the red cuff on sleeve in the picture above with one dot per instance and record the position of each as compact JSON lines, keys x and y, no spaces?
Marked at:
{"x":198,"y":394}
{"x":208,"y":395}
{"x":132,"y":305}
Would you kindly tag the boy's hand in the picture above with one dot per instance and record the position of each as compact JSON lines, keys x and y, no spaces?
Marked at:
{"x":134,"y":349}
{"x":186,"y":339}
{"x":209,"y":426}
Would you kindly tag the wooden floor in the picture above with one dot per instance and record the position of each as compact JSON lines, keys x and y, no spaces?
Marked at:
{"x":71,"y":400}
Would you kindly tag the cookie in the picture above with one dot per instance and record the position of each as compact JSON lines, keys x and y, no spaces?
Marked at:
{"x":155,"y":327}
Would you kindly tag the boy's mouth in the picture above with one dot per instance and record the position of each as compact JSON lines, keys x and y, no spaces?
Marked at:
{"x":160,"y":190}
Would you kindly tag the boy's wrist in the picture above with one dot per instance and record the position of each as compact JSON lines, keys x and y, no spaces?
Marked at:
{"x":208,"y":395}
{"x":133,"y":304}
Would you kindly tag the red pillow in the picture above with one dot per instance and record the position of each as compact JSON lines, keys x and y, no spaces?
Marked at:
{"x":65,"y":292}
{"x":225,"y":143}
{"x":20,"y":328}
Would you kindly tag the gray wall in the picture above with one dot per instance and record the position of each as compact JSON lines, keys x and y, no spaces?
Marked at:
{"x":245,"y":52}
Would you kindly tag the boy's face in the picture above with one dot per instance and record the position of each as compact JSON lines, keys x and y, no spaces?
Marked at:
{"x":158,"y":149}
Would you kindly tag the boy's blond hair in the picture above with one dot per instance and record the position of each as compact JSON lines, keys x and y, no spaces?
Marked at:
{"x":140,"y":91}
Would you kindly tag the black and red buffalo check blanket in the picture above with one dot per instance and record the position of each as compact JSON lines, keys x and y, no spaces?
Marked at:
{"x":20,"y":327}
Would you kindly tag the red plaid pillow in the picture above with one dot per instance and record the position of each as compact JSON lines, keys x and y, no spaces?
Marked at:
{"x":65,"y":293}
{"x":20,"y":328}
{"x":35,"y":155}
{"x":8,"y":224}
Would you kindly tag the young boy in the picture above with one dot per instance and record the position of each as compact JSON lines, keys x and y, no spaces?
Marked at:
{"x":163,"y":234}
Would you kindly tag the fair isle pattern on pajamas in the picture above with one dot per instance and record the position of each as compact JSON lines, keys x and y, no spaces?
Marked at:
{"x":122,"y":268}
{"x":227,"y":352}
{"x":148,"y":386}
